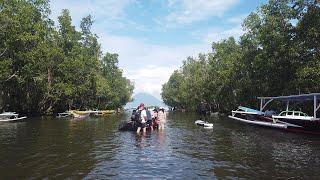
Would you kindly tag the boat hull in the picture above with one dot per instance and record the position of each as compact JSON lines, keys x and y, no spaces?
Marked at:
{"x":306,"y":125}
{"x":13,"y":119}
{"x":203,"y":123}
{"x":303,"y":126}
{"x":261,"y":123}
{"x":80,"y":114}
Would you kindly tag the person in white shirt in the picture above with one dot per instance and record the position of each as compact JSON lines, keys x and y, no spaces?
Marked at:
{"x":162,"y":118}
{"x":143,"y":118}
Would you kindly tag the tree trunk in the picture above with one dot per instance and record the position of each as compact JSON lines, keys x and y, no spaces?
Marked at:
{"x":50,"y":78}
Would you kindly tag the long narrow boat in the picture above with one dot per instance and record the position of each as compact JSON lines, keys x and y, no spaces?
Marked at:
{"x":288,"y":120}
{"x":80,"y":114}
{"x":102,"y":112}
{"x":10,"y":116}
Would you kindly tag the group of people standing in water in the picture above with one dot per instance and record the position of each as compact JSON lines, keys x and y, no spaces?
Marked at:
{"x":142,"y":118}
{"x":148,"y":119}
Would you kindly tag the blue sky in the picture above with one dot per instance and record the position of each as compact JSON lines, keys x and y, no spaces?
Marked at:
{"x":153,"y":37}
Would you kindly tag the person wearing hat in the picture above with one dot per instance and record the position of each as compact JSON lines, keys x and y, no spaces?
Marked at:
{"x":161,"y":117}
{"x":143,"y":118}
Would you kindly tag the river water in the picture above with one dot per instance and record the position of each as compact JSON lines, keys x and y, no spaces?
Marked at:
{"x":94,"y":149}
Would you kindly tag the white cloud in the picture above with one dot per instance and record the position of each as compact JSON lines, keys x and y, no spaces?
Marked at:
{"x":112,"y":9}
{"x":108,"y":12}
{"x":150,"y":78}
{"x":146,"y":64}
{"x":237,"y":19}
{"x":149,"y":65}
{"x":216,"y":34}
{"x":188,"y":11}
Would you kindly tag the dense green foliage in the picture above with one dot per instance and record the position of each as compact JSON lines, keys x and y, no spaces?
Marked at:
{"x":44,"y":69}
{"x":279,"y":54}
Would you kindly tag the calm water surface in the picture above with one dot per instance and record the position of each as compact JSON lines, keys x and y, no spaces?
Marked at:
{"x":94,"y":148}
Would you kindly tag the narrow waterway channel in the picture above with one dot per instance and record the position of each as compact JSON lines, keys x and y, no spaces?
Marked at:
{"x":94,"y":148}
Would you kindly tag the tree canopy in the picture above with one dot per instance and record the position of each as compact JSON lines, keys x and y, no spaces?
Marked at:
{"x":46,"y":69}
{"x":279,"y":54}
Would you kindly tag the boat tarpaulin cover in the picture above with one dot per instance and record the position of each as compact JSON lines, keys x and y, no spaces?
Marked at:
{"x":249,"y":110}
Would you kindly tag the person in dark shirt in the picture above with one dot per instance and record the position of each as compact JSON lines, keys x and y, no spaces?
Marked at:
{"x":204,"y":110}
{"x":149,"y":119}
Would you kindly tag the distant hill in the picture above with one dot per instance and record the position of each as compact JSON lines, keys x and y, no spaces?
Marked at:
{"x":146,"y":98}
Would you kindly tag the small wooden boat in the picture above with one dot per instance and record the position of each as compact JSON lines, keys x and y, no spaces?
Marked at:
{"x":10,"y":116}
{"x":103,"y":112}
{"x":80,"y":114}
{"x":64,"y":115}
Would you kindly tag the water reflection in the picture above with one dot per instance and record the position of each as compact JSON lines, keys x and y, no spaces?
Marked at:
{"x":46,"y":147}
{"x":95,"y":149}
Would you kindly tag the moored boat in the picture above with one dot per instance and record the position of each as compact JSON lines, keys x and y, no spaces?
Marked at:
{"x":80,"y":114}
{"x":10,"y":116}
{"x":103,"y":112}
{"x":64,"y":115}
{"x":288,"y":120}
{"x":203,"y":123}
{"x":298,"y":121}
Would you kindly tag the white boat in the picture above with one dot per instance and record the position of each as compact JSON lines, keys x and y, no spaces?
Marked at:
{"x":296,"y":121}
{"x":203,"y":123}
{"x":10,"y":116}
{"x":64,"y":114}
{"x":293,"y":115}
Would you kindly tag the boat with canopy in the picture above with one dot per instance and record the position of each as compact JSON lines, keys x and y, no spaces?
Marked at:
{"x":291,"y":120}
